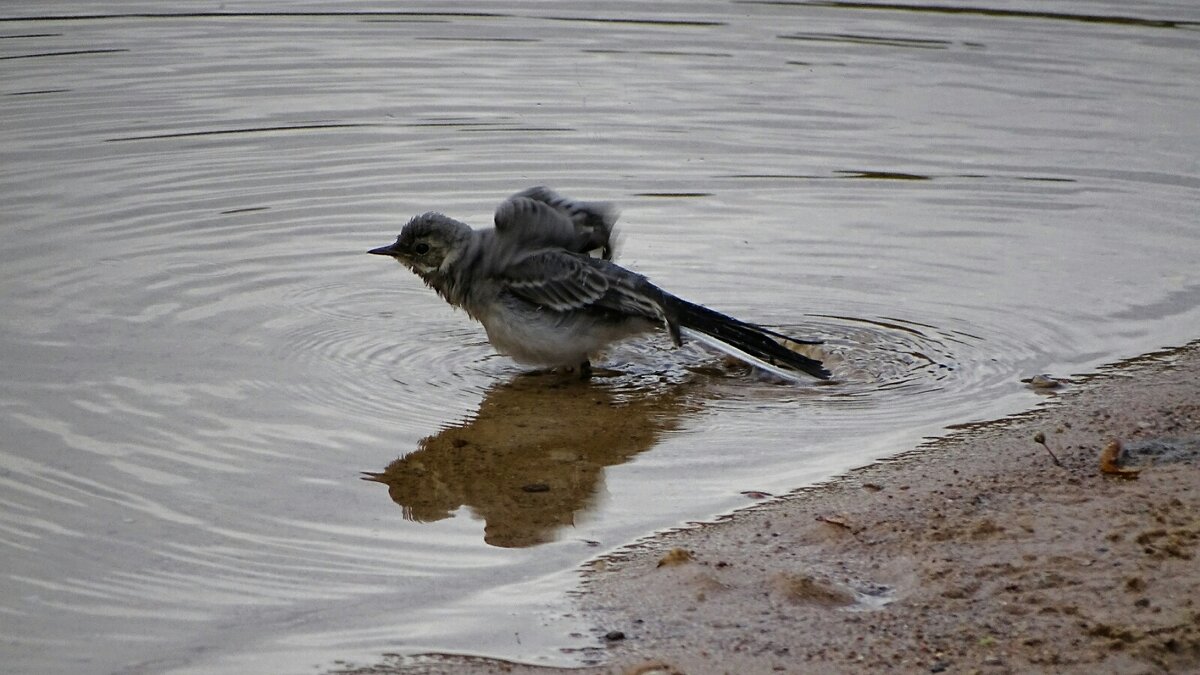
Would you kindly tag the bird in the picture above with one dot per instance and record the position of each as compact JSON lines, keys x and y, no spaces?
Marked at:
{"x":544,"y":285}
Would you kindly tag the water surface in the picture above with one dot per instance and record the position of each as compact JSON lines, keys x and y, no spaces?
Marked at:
{"x":201,"y":365}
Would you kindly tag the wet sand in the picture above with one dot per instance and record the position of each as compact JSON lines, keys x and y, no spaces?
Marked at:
{"x":972,"y":553}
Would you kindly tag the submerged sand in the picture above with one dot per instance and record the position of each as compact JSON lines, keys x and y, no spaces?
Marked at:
{"x":973,"y":553}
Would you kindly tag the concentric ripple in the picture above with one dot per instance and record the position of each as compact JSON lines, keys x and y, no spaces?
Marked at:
{"x":877,"y":355}
{"x":364,"y":358}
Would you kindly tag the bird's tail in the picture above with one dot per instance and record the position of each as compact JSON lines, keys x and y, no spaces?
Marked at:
{"x":758,"y":342}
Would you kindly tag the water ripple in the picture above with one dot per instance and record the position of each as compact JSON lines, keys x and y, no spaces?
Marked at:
{"x":200,"y":361}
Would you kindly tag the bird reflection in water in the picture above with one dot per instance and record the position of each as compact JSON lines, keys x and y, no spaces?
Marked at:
{"x":534,"y":455}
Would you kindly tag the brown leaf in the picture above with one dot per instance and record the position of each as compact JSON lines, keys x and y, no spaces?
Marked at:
{"x":757,"y":494}
{"x":839,"y":521}
{"x":676,"y":556}
{"x":1110,"y":461}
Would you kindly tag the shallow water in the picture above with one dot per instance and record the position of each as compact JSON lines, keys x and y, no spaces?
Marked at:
{"x":201,"y":366}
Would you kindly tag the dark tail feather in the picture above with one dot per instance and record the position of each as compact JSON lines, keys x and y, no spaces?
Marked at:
{"x":755,"y":340}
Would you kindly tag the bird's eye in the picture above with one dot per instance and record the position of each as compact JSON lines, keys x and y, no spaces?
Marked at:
{"x":421,"y":248}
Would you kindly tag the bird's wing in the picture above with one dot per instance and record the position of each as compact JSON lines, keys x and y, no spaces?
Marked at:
{"x":557,"y":280}
{"x":541,"y":217}
{"x":564,"y":282}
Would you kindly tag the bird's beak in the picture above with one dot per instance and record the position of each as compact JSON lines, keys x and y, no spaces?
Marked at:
{"x":390,"y":249}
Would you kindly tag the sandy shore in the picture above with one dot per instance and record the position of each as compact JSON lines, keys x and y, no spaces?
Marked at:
{"x":973,"y":553}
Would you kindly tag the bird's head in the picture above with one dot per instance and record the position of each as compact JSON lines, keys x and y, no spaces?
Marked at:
{"x":428,"y":243}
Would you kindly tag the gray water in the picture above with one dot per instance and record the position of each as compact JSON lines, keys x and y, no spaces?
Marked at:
{"x":200,"y":364}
